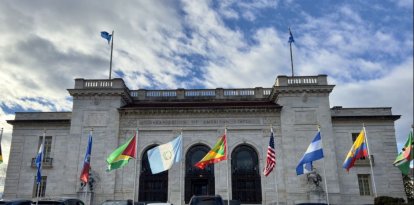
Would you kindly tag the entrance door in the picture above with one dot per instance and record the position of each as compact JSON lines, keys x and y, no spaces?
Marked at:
{"x":152,"y":187}
{"x":198,"y":181}
{"x":245,"y":175}
{"x":200,"y":187}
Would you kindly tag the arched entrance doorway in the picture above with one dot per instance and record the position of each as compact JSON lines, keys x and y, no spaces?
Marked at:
{"x":152,"y":187}
{"x":245,"y":175}
{"x":198,"y":181}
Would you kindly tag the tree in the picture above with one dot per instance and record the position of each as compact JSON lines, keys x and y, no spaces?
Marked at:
{"x":409,"y":187}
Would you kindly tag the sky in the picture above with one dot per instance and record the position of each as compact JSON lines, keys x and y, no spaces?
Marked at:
{"x":365,"y":48}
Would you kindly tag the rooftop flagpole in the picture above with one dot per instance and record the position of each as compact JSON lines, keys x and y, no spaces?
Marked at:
{"x":110,"y":61}
{"x":291,"y":40}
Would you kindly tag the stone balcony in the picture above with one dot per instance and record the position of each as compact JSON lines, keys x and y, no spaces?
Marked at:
{"x":257,"y":93}
{"x":283,"y":80}
{"x":117,"y":86}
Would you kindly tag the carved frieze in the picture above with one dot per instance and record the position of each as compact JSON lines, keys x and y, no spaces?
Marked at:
{"x":95,"y":118}
{"x":190,"y":122}
{"x":305,"y":117}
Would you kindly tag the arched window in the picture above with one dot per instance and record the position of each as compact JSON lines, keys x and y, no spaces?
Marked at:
{"x":245,"y":175}
{"x":152,"y":187}
{"x":198,"y":181}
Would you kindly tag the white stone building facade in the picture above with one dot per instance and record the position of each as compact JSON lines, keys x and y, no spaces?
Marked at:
{"x":294,"y":107}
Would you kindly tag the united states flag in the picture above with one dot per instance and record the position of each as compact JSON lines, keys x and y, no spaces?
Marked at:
{"x":271,"y":156}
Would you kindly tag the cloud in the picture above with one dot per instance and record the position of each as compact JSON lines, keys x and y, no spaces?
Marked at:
{"x":246,"y":9}
{"x":382,"y":92}
{"x":6,"y":138}
{"x":407,"y":4}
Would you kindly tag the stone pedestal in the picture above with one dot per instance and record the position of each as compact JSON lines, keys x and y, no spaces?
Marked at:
{"x":317,"y":196}
{"x":86,"y":197}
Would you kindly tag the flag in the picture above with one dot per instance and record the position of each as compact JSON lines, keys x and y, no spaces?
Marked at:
{"x":217,"y":154}
{"x":291,"y":40}
{"x":121,"y":156}
{"x":271,"y":156}
{"x":84,"y":177}
{"x":1,"y":155}
{"x":314,"y":152}
{"x":358,"y":150}
{"x":39,"y":159}
{"x":106,"y":36}
{"x":162,"y":157}
{"x":405,"y":156}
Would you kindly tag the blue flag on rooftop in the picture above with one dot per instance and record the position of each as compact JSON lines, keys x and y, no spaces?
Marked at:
{"x":314,"y":152}
{"x":106,"y":36}
{"x":39,"y":159}
{"x":291,"y":40}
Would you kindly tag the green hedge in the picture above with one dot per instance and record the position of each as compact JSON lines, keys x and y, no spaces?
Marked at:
{"x":387,"y":200}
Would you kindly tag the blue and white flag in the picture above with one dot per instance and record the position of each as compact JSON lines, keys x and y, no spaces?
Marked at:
{"x":291,"y":40}
{"x":314,"y":152}
{"x":106,"y":36}
{"x":162,"y":157}
{"x":39,"y":159}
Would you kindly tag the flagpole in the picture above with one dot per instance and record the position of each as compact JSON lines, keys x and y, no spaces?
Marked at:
{"x":370,"y":161}
{"x":291,"y":57}
{"x":90,"y":166}
{"x":412,"y":146}
{"x":110,"y":61}
{"x":277,"y":190}
{"x":40,"y":168}
{"x":181,"y":169}
{"x":85,"y":188}
{"x":136,"y":160}
{"x":324,"y":169}
{"x":228,"y":167}
{"x":1,"y":137}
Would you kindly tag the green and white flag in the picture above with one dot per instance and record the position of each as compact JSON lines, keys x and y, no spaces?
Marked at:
{"x":405,"y":156}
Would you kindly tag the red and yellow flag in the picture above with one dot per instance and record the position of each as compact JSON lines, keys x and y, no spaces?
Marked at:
{"x":217,"y":154}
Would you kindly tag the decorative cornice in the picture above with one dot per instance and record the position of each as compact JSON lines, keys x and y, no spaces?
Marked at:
{"x":124,"y":93}
{"x":16,"y":122}
{"x":307,"y":89}
{"x":298,"y":89}
{"x":367,"y":117}
{"x":172,"y":110}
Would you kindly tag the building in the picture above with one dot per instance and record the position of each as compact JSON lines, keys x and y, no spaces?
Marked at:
{"x":294,"y":107}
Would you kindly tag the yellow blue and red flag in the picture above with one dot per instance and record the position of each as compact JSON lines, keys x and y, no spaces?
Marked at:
{"x":358,"y":150}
